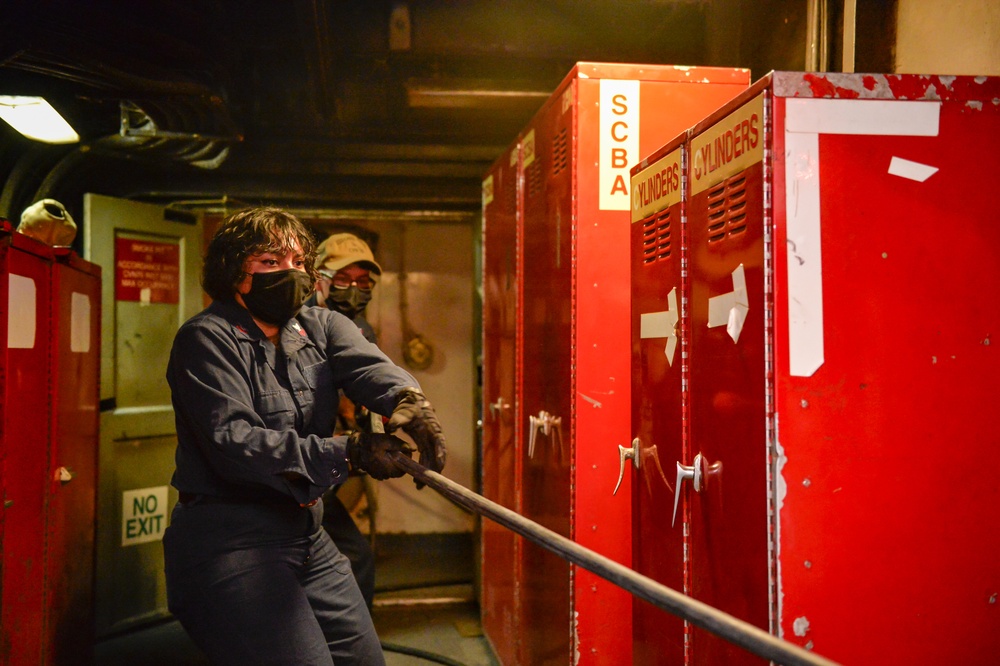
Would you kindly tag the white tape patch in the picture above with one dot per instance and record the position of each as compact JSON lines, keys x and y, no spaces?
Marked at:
{"x":662,"y":325}
{"x":866,"y":116}
{"x":805,"y":120}
{"x":912,"y":170}
{"x":730,"y":310}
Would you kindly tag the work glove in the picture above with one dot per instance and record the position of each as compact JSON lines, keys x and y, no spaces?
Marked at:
{"x":373,"y":453}
{"x":416,"y":417}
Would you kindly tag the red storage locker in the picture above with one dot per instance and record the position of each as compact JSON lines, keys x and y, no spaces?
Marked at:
{"x":501,"y":466}
{"x":27,"y":433}
{"x":72,"y":474}
{"x":838,"y":244}
{"x":49,"y":450}
{"x":572,"y":401}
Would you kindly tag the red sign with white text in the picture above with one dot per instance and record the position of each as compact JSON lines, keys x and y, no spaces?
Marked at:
{"x":146,"y":271}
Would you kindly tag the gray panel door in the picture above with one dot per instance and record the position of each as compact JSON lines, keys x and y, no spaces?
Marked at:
{"x":151,"y":268}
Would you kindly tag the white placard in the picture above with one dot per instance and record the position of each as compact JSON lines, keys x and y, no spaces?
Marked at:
{"x":144,"y":515}
{"x":21,"y":305}
{"x":79,"y":323}
{"x":619,"y":142}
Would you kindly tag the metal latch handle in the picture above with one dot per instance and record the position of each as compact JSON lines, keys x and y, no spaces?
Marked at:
{"x":549,"y":424}
{"x":498,"y":407}
{"x":627,"y":454}
{"x":698,"y":473}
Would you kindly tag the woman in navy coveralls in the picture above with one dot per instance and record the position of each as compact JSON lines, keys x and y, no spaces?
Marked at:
{"x":251,"y":575}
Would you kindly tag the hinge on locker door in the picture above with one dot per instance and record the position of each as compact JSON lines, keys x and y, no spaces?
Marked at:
{"x":550,"y":425}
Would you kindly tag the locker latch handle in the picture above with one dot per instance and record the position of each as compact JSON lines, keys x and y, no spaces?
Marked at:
{"x":498,"y":407}
{"x":549,"y":424}
{"x":627,"y":454}
{"x":698,"y":473}
{"x":639,"y":455}
{"x":64,"y":475}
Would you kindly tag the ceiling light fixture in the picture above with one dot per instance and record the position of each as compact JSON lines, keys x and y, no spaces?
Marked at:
{"x":36,"y":119}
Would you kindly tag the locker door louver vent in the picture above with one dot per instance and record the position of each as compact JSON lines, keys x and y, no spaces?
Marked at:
{"x":727,"y":215}
{"x":656,"y":240}
{"x":533,"y":178}
{"x":560,"y":153}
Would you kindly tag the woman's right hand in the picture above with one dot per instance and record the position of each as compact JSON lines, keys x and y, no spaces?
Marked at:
{"x":373,"y":453}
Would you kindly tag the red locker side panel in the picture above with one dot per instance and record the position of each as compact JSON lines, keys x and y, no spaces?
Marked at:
{"x":27,"y":436}
{"x":545,"y":421}
{"x":887,"y":366}
{"x":501,"y":466}
{"x":728,"y":520}
{"x":658,"y":293}
{"x":5,"y":239}
{"x":624,"y":113}
{"x":72,"y":473}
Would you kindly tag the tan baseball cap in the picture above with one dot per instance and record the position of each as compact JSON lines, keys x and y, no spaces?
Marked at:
{"x":341,"y":250}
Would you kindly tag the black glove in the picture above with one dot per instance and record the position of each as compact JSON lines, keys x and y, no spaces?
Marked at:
{"x":416,"y":417}
{"x":372,"y":452}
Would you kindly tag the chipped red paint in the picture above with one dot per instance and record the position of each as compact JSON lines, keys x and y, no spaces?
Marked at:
{"x":834,"y":85}
{"x":820,"y":85}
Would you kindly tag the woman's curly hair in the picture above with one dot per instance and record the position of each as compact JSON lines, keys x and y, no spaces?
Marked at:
{"x":246,"y":233}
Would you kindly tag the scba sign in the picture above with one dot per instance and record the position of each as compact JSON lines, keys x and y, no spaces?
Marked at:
{"x":144,"y":515}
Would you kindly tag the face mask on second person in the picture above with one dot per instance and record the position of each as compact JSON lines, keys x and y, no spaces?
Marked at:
{"x":349,"y":302}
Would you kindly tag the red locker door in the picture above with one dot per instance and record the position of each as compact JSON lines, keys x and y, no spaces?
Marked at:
{"x":501,"y":466}
{"x":545,"y":379}
{"x":658,"y":295}
{"x":72,"y":472}
{"x":889,"y":433}
{"x":728,"y":446}
{"x":27,"y":436}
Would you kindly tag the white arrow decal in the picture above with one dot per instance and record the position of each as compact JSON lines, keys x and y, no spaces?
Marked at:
{"x":662,"y":325}
{"x":731,"y":309}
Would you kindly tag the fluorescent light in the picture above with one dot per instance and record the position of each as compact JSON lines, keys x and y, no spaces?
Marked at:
{"x":36,"y":119}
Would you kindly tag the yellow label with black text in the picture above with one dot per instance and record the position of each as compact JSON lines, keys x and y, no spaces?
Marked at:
{"x":728,"y":147}
{"x":656,"y":187}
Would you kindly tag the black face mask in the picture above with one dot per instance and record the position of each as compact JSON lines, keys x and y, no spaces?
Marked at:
{"x":275,"y":297}
{"x":350,"y":302}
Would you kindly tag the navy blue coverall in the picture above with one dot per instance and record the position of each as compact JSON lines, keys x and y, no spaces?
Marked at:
{"x":251,"y":575}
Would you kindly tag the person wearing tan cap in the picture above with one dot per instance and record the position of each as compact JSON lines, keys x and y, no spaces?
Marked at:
{"x":346,"y":264}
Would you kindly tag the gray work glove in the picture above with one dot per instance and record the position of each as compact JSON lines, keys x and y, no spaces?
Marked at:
{"x":372,"y":452}
{"x":416,"y":417}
